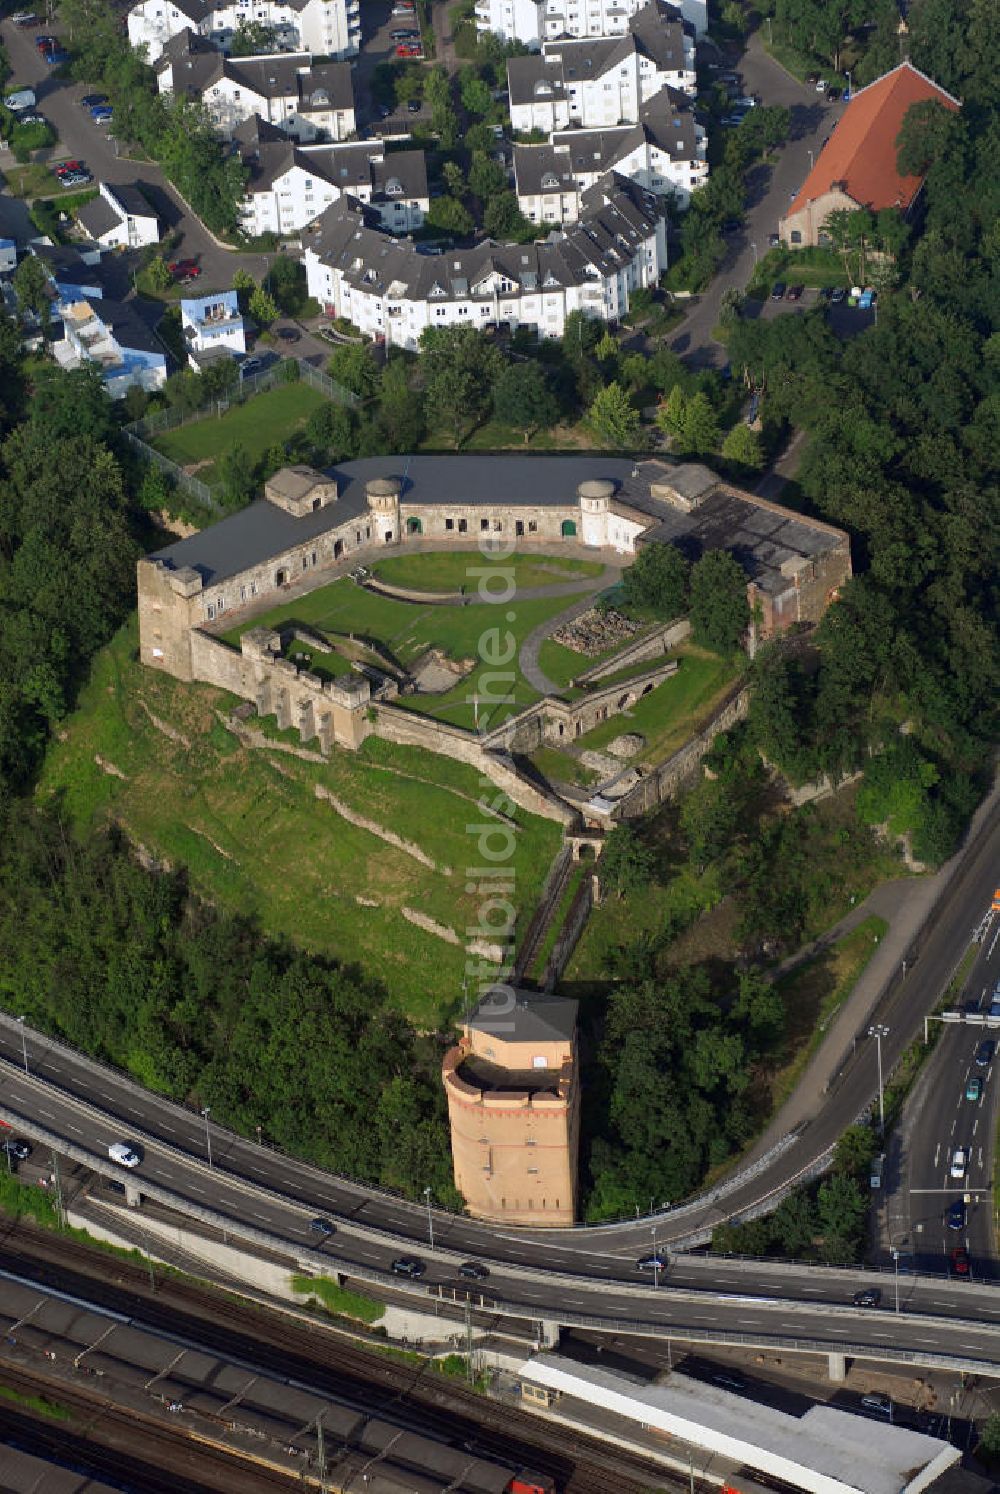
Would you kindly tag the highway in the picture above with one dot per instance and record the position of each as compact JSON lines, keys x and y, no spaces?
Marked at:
{"x":944,"y":1113}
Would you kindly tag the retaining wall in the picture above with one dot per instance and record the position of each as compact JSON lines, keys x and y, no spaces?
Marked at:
{"x":658,"y":785}
{"x":660,"y":640}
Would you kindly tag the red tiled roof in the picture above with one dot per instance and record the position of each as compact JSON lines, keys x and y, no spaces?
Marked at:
{"x":861,"y":152}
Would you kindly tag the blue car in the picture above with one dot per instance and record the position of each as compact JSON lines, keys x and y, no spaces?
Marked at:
{"x":102,"y":113}
{"x":55,"y":56}
{"x":956,"y":1215}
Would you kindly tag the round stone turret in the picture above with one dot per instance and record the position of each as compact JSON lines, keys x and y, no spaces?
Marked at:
{"x":383,"y":500}
{"x":595,"y":496}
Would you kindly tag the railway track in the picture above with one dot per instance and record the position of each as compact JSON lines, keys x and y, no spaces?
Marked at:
{"x":411,"y":1395}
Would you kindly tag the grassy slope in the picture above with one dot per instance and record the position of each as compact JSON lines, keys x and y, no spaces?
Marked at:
{"x":668,"y":716}
{"x":255,"y":425}
{"x":249,"y":828}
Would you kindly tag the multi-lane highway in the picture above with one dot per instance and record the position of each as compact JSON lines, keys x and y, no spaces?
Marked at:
{"x":953,"y":1108}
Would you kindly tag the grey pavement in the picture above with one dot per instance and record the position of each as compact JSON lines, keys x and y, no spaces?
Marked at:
{"x":528,"y":658}
{"x":771,"y":188}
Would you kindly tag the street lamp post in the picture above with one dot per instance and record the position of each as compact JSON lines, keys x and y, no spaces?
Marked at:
{"x":753,"y":246}
{"x":895,"y":1263}
{"x":847,"y":75}
{"x":811,"y":160}
{"x":208,"y":1135}
{"x":430,"y":1218}
{"x":770,"y":37}
{"x":656,"y":1263}
{"x":24,"y":1045}
{"x":878,"y":1032}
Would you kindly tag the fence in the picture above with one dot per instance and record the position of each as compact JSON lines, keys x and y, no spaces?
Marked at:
{"x":138,"y":434}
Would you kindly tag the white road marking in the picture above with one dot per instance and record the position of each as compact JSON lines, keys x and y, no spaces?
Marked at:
{"x":953,"y":1125}
{"x":975,"y":1125}
{"x":937,"y":1153}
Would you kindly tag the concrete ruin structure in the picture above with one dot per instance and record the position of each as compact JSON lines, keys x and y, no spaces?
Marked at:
{"x":513,"y":1090}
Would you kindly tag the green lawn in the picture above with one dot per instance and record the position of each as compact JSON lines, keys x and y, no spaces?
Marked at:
{"x":671,"y":713}
{"x":255,"y":425}
{"x":449,"y":570}
{"x":248,"y":826}
{"x":329,"y":666}
{"x":409,"y":629}
{"x":563,"y":767}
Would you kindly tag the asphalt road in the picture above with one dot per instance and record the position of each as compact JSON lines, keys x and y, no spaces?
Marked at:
{"x":938,"y":1119}
{"x":770,"y":190}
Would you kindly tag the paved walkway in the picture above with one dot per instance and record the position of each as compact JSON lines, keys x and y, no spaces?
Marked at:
{"x":528,"y":657}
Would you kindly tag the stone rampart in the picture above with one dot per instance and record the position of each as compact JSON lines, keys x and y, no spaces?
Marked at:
{"x":659,"y":784}
{"x":660,"y":640}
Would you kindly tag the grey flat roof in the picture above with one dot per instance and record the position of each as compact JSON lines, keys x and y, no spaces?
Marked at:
{"x":534,"y":1016}
{"x":760,"y":537}
{"x":97,"y":217}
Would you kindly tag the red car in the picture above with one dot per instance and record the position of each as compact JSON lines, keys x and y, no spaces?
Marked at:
{"x":66,"y":167}
{"x":960,"y":1261}
{"x":184,"y":269}
{"x":407,"y":51}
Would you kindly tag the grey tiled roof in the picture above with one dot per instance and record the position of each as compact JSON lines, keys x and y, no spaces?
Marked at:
{"x":97,"y":217}
{"x":525,"y":73}
{"x":542,"y":168}
{"x":518,"y":1016}
{"x":131,"y":200}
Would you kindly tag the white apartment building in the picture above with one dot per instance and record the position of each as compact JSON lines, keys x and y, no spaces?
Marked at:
{"x":535,"y":21}
{"x":391,"y":292}
{"x":304,"y":100}
{"x":289,"y":186}
{"x":119,"y":218}
{"x":601,"y":84}
{"x":212,"y":327}
{"x":665,"y":152}
{"x":328,"y":28}
{"x":111,"y":335}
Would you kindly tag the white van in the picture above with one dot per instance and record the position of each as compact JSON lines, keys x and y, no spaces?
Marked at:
{"x":20,"y":99}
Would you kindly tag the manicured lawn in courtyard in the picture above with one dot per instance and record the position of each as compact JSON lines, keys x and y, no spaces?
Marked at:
{"x":671,"y":713}
{"x":255,"y":425}
{"x":410,"y":629}
{"x":449,"y":570}
{"x":246,"y":823}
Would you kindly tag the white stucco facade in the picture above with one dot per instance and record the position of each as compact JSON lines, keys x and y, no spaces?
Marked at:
{"x":535,"y":21}
{"x":329,"y":28}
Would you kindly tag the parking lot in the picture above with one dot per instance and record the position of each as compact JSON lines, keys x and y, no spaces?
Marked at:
{"x":377,"y":45}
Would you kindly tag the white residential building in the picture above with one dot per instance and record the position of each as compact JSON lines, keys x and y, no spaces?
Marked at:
{"x":391,"y":292}
{"x":664,"y":152}
{"x":535,"y":21}
{"x":601,"y":84}
{"x":112,"y":336}
{"x":305,"y":101}
{"x":289,"y":186}
{"x":120,"y":218}
{"x":212,"y":327}
{"x":328,"y":28}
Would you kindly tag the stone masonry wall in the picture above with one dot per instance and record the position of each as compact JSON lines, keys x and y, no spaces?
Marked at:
{"x":658,"y":785}
{"x":661,"y":640}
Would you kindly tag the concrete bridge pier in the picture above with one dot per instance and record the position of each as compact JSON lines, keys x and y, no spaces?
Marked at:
{"x":837,"y":1371}
{"x":133,"y":1196}
{"x":548,"y":1333}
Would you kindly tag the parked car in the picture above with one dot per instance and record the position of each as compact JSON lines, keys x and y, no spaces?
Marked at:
{"x":94,"y":100}
{"x":249,"y":367}
{"x":124,"y":1155}
{"x":76,"y":179}
{"x":66,"y":167}
{"x":795,"y":293}
{"x":413,"y":106}
{"x":960,"y":1261}
{"x":44,"y":43}
{"x":774,"y":241}
{"x":778,"y":291}
{"x":985,"y":1052}
{"x":959,"y":1163}
{"x":18,"y":1148}
{"x":55,"y":56}
{"x":24,"y":18}
{"x":870,"y":1297}
{"x":288,"y":334}
{"x":473,"y":1271}
{"x":832,"y":95}
{"x":404,"y":36}
{"x":955,"y":1217}
{"x":408,"y":1265}
{"x":36,"y":119}
{"x":821,"y":85}
{"x":837,"y":294}
{"x":102,"y":113}
{"x":19,"y":100}
{"x":880,"y":1404}
{"x":184,"y":268}
{"x":322,"y":1227}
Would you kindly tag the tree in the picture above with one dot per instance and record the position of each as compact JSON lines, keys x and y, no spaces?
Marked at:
{"x":742,"y":447}
{"x":330,"y":428}
{"x":486,"y":176}
{"x":262,"y":307}
{"x":989,"y":1438}
{"x":32,"y":289}
{"x":670,"y":412}
{"x":720,"y":613}
{"x":401,"y":420}
{"x":658,"y":579}
{"x":522,"y":398}
{"x":159,"y":274}
{"x":459,"y":367}
{"x":626,"y":864}
{"x":448,"y":215}
{"x":709,"y":818}
{"x":855,"y":1152}
{"x":251,"y":38}
{"x":237,"y":472}
{"x":454,"y":178}
{"x":475,"y":94}
{"x":841,"y":1207}
{"x":503,"y":219}
{"x":352,"y":365}
{"x":613,"y":418}
{"x":699,"y":432}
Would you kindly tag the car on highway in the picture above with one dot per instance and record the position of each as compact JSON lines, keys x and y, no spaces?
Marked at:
{"x":955,"y":1217}
{"x":24,"y":18}
{"x":880,"y":1405}
{"x":19,"y":1148}
{"x":870,"y":1297}
{"x":959,"y":1163}
{"x":974,"y":1089}
{"x":657,"y":1262}
{"x":124,"y":1155}
{"x":408,"y":1265}
{"x":778,"y":291}
{"x":960,"y":1261}
{"x":322,"y":1227}
{"x":985,"y":1052}
{"x":473,"y":1271}
{"x":94,"y":100}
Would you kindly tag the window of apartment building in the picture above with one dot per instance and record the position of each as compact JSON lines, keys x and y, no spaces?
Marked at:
{"x":532,"y":1170}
